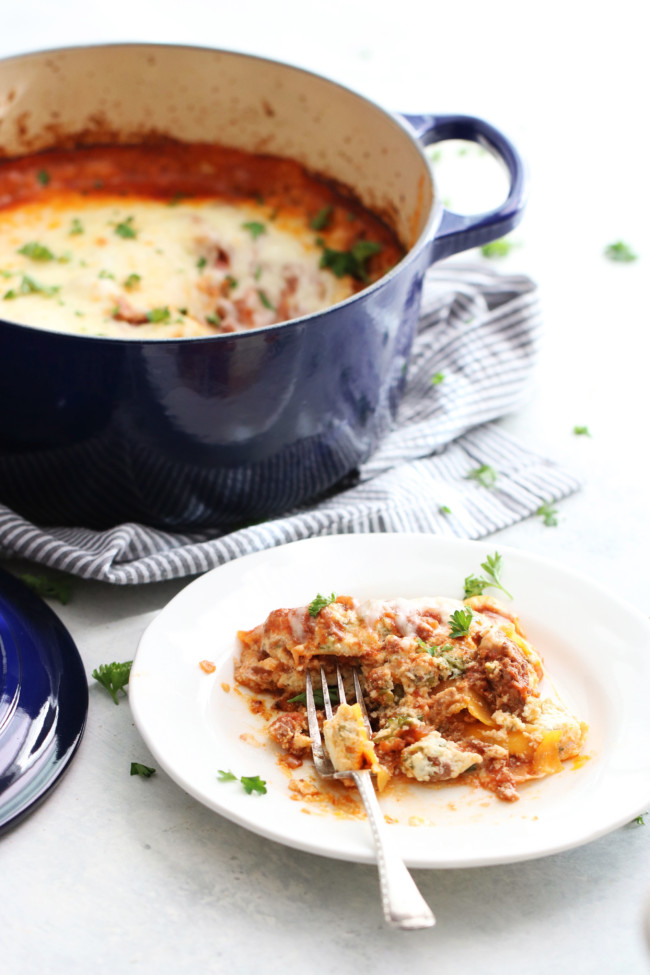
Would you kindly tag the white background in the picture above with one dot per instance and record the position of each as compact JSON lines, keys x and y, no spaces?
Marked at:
{"x":115,"y":874}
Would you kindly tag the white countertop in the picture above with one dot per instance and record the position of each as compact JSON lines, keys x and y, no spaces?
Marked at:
{"x":116,"y":874}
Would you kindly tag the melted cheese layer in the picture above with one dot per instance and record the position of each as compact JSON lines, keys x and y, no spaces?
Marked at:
{"x":145,"y":268}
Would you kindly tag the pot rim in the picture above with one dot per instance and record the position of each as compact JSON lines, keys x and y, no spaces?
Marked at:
{"x":426,"y":236}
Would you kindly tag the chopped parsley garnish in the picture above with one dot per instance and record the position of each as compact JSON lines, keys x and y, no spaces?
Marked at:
{"x":251,"y":783}
{"x":76,"y":227}
{"x":437,"y":379}
{"x":43,"y":177}
{"x":213,"y":319}
{"x":159,"y":315}
{"x":36,"y":251}
{"x":132,"y":281}
{"x":621,"y":252}
{"x":474,"y":585}
{"x":352,"y":262}
{"x":106,"y":274}
{"x":126,"y":229}
{"x":318,"y":696}
{"x":548,"y":513}
{"x":264,"y":299}
{"x":28,"y":286}
{"x":49,"y":587}
{"x":639,"y":820}
{"x":137,"y":768}
{"x":485,"y":475}
{"x":322,"y":218}
{"x":444,"y":509}
{"x":460,"y":623}
{"x":254,"y":228}
{"x":202,"y":261}
{"x":581,"y":431}
{"x":230,"y":281}
{"x":114,"y":677}
{"x":320,"y":602}
{"x":497,"y":248}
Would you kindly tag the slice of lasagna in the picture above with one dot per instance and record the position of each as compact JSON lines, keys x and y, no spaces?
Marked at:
{"x":453,"y":689}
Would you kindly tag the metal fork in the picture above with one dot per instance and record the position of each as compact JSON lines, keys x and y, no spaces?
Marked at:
{"x":402,"y":904}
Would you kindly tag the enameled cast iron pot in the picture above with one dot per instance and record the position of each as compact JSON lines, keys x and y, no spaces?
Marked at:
{"x":188,"y":433}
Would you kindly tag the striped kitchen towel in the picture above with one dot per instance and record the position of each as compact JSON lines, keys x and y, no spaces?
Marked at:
{"x":446,"y":467}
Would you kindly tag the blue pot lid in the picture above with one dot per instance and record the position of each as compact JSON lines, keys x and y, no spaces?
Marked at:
{"x":43,"y":700}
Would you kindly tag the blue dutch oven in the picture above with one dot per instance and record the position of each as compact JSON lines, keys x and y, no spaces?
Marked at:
{"x":220,"y":431}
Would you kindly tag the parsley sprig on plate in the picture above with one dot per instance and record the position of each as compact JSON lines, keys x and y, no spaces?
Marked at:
{"x":460,"y":622}
{"x":475,"y":585}
{"x":320,"y":602}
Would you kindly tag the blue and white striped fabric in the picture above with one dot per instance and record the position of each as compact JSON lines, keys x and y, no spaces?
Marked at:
{"x":472,"y":363}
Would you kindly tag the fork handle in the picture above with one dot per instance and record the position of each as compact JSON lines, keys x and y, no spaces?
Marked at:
{"x":402,"y":903}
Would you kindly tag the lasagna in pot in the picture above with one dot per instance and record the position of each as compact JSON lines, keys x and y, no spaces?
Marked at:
{"x":176,"y":240}
{"x":454,"y":690}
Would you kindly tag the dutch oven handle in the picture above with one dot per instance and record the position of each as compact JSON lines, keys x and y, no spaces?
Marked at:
{"x":459,"y":232}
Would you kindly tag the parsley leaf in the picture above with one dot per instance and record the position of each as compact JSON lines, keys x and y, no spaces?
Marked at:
{"x":114,"y":677}
{"x":548,"y":513}
{"x":460,"y":623}
{"x":202,"y":261}
{"x":143,"y":770}
{"x":485,"y":475}
{"x":620,"y":251}
{"x":159,"y":315}
{"x":36,"y":251}
{"x":43,"y":177}
{"x":28,"y":286}
{"x":474,"y":585}
{"x":76,"y":227}
{"x":444,"y":509}
{"x":48,"y":587}
{"x":318,"y":696}
{"x":320,"y":602}
{"x":125,"y":229}
{"x":322,"y":218}
{"x":132,"y":281}
{"x":437,"y":379}
{"x":253,"y":783}
{"x":352,"y":262}
{"x":254,"y":228}
{"x":264,"y":299}
{"x":581,"y":431}
{"x":497,"y":248}
{"x":639,"y":820}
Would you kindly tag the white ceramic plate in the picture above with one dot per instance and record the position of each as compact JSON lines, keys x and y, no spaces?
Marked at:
{"x":596,"y":648}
